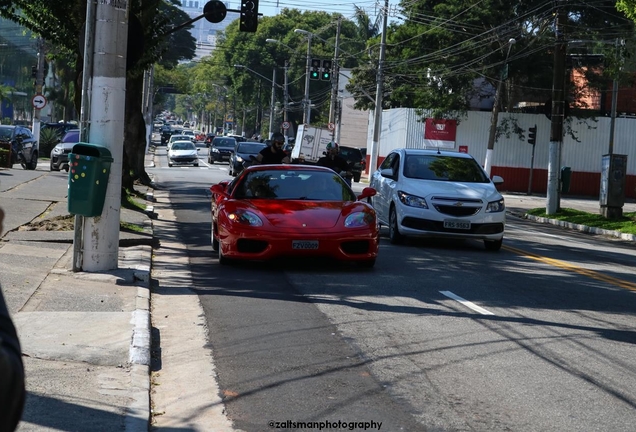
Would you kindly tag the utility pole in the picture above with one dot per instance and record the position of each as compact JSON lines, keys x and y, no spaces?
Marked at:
{"x":377,"y":123}
{"x":108,"y":101}
{"x":272,"y":104}
{"x":558,"y":110}
{"x":334,"y":85}
{"x":39,"y":84}
{"x":306,"y":101}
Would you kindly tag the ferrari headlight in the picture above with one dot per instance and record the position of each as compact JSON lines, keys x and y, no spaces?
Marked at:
{"x":245,"y":217}
{"x":496,"y":206}
{"x":412,"y":200}
{"x":359,"y":219}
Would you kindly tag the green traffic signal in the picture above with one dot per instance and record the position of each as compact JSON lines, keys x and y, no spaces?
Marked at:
{"x":314,"y":75}
{"x":326,"y":76}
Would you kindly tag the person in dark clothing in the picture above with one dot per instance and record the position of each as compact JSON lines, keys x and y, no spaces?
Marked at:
{"x":274,"y":154}
{"x":337,"y":163}
{"x":12,"y":391}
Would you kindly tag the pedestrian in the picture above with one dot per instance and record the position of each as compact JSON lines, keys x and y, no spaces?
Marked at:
{"x":274,"y":153}
{"x":12,"y":391}
{"x":336,"y":162}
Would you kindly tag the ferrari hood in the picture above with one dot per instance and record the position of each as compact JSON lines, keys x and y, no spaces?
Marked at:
{"x":303,"y":214}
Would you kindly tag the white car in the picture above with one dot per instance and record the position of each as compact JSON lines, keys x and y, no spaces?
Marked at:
{"x":183,"y":153}
{"x":430,"y":193}
{"x":178,"y":137}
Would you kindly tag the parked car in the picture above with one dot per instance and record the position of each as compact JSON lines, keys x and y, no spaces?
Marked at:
{"x":292,"y":210}
{"x":24,"y":147}
{"x":429,"y":193}
{"x":356,"y":161}
{"x":242,"y":153}
{"x":221,"y":149}
{"x":183,"y":152}
{"x":59,"y":154}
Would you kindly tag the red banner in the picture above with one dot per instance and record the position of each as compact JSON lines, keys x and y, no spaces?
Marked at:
{"x":440,"y":132}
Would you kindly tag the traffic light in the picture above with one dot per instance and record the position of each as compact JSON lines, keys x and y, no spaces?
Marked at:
{"x":532,"y":135}
{"x":326,"y":70}
{"x":249,"y":16}
{"x":314,"y":72}
{"x":34,"y":71}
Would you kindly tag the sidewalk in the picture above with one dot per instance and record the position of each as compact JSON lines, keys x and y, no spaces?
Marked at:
{"x":85,"y":336}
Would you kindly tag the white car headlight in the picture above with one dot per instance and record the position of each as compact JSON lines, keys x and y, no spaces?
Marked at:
{"x":245,"y":217}
{"x":412,"y":200}
{"x":359,"y":219}
{"x":496,"y":206}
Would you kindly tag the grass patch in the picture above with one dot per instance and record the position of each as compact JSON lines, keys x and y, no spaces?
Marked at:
{"x":130,"y":227}
{"x":133,"y":200}
{"x":626,"y":224}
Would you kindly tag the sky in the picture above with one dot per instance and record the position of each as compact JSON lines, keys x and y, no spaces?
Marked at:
{"x":344,"y":7}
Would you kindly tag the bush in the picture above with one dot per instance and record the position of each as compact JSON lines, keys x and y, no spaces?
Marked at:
{"x":5,"y":158}
{"x":48,"y":139}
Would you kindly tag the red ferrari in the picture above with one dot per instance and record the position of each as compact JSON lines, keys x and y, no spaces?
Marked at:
{"x":270,"y":211}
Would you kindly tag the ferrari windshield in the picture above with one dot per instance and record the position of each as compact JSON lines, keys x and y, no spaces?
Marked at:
{"x":294,"y":185}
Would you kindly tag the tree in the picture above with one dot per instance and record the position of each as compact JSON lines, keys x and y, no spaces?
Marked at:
{"x":60,"y":24}
{"x":447,"y":55}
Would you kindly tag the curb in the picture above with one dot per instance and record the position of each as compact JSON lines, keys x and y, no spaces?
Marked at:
{"x":576,"y":227}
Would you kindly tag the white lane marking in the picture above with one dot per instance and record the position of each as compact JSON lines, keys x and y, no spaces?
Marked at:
{"x":466,"y":303}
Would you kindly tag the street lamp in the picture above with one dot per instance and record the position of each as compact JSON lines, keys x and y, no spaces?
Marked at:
{"x":273,"y":98}
{"x":495,"y":111}
{"x":306,"y":102}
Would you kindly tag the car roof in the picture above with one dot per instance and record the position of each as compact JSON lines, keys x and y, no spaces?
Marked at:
{"x":410,"y":151}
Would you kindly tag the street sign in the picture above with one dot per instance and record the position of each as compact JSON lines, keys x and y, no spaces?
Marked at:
{"x":331,"y":126}
{"x":285,"y":125}
{"x":38,"y":101}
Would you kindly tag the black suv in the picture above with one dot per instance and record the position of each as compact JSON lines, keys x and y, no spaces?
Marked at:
{"x":22,"y":142}
{"x":221,"y":149}
{"x":356,"y":161}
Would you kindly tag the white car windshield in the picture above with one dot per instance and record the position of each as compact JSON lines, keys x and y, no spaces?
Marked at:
{"x":181,"y":145}
{"x":444,"y":168}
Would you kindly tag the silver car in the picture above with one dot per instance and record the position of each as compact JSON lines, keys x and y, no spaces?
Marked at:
{"x":430,"y":193}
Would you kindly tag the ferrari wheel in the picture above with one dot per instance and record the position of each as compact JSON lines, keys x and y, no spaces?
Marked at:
{"x":215,"y":241}
{"x":394,"y":233}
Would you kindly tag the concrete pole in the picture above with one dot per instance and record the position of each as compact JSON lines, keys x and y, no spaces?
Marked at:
{"x":334,"y":86}
{"x":377,"y":123}
{"x":556,"y":126}
{"x":306,"y":101}
{"x":108,"y":104}
{"x":494,"y":118}
{"x":272,"y":104}
{"x":39,"y":84}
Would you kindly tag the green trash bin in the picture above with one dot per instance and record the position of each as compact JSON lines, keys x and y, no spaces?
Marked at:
{"x":89,"y":168}
{"x":566,"y":178}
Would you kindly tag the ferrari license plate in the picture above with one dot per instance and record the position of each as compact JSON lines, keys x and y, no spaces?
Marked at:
{"x":456,"y":224}
{"x":305,"y":244}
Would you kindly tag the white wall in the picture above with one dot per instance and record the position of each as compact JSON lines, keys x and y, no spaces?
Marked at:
{"x":402,"y":127}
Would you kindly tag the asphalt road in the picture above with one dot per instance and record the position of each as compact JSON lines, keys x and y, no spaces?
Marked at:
{"x":438,"y":336}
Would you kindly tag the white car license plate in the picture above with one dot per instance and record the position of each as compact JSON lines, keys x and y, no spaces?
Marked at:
{"x":305,"y":244}
{"x":456,"y":224}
